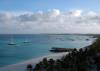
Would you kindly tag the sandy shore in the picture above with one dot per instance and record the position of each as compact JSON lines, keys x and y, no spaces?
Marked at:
{"x":22,"y":66}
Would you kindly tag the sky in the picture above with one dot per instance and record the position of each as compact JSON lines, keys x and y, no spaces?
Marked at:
{"x":49,"y":16}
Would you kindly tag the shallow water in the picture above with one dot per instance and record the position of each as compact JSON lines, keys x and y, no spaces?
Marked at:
{"x":36,"y":45}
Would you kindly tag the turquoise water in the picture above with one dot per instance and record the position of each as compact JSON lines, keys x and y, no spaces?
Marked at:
{"x":39,"y":45}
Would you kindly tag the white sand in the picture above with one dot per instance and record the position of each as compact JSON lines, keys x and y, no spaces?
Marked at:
{"x":22,"y":66}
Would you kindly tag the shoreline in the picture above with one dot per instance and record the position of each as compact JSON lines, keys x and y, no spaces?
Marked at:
{"x":22,"y":65}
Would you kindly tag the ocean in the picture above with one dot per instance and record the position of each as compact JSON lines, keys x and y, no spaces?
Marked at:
{"x":36,"y":45}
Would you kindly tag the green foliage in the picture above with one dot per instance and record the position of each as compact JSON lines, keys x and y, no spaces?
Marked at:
{"x":29,"y":67}
{"x":96,"y":45}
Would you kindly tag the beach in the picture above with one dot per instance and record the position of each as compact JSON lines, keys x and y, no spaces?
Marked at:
{"x":17,"y":57}
{"x":22,"y":65}
{"x":37,"y":46}
{"x":49,"y":35}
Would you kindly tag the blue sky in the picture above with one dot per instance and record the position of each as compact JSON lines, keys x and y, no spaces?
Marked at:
{"x":44,"y":5}
{"x":49,"y":16}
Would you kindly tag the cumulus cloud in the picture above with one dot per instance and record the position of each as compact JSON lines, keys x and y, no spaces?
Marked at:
{"x":52,"y":21}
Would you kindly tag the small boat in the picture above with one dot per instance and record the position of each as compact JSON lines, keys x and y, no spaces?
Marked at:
{"x":26,"y":42}
{"x":11,"y":42}
{"x":87,"y":39}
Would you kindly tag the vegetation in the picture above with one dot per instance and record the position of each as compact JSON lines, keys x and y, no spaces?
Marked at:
{"x":86,"y":59}
{"x":29,"y":67}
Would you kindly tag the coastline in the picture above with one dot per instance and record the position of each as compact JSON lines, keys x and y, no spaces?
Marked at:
{"x":22,"y":65}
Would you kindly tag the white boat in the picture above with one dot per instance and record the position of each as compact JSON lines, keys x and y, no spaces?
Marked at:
{"x":12,"y":42}
{"x":26,"y":41}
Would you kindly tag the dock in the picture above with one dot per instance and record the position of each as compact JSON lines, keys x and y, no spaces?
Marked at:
{"x":57,"y":49}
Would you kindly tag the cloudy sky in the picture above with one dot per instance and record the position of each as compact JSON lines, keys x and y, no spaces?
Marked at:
{"x":49,"y":16}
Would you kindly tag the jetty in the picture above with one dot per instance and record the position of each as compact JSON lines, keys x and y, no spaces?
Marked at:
{"x":57,"y":49}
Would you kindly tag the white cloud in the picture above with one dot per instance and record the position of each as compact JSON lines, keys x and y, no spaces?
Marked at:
{"x":91,"y":13}
{"x":76,"y":13}
{"x":53,"y":21}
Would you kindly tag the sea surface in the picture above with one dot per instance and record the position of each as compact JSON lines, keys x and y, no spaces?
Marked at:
{"x":32,"y":46}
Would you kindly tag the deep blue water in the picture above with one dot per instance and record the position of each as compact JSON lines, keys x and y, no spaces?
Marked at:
{"x":39,"y":45}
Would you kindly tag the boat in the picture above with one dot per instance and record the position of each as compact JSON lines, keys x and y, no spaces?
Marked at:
{"x":11,"y":42}
{"x":87,"y":39}
{"x":26,"y":42}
